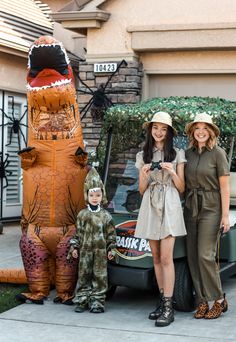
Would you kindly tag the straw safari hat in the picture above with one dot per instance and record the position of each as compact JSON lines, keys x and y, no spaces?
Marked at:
{"x":202,"y":117}
{"x":161,"y":117}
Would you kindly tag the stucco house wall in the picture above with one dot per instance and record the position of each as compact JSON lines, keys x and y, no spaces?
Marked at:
{"x":174,"y":37}
{"x":168,"y":17}
{"x":183,"y":47}
{"x":180,"y":48}
{"x":181,"y":37}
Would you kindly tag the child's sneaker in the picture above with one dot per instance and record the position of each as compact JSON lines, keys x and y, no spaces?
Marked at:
{"x":81,"y":308}
{"x":97,"y":310}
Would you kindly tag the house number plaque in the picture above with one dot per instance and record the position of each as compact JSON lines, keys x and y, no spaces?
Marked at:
{"x":105,"y":67}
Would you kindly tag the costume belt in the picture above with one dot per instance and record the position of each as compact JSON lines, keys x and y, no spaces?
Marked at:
{"x":157,"y":197}
{"x":191,"y":199}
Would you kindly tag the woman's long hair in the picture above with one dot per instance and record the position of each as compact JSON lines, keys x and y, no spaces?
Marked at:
{"x":169,"y":151}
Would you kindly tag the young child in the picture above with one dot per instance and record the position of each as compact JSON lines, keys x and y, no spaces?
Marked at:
{"x":94,"y":243}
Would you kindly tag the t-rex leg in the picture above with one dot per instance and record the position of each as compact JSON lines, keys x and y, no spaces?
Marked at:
{"x":35,"y":258}
{"x":66,"y":270}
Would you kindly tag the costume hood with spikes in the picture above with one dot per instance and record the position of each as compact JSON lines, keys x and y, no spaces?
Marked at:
{"x":93,"y":181}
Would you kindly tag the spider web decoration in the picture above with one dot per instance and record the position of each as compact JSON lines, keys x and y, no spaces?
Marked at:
{"x":15,"y":124}
{"x":100,"y":102}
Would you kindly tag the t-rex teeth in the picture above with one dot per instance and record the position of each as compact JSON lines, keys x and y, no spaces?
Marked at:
{"x":53,"y":84}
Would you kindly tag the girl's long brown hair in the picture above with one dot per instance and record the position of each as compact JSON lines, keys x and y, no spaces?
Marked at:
{"x":169,"y":151}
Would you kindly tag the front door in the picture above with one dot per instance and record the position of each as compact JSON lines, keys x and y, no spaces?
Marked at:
{"x":13,"y":132}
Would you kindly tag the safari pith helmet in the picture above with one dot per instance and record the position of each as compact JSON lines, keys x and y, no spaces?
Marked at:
{"x":161,"y":117}
{"x":202,"y":117}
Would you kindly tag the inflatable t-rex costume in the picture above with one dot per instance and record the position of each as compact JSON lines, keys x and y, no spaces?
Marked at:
{"x":54,"y":167}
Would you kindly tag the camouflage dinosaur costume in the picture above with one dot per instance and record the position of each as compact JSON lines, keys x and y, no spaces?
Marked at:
{"x":94,"y":239}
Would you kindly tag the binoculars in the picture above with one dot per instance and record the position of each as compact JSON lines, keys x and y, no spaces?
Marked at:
{"x":156,"y":165}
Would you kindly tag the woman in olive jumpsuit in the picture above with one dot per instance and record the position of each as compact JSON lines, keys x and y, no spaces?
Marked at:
{"x":206,"y":212}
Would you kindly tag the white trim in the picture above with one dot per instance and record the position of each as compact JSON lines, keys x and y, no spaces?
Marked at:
{"x":190,"y":71}
{"x":181,"y":27}
{"x":94,"y":211}
{"x":94,"y":58}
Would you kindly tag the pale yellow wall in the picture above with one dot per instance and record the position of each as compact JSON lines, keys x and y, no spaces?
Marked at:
{"x":72,"y":41}
{"x":190,"y":61}
{"x":113,"y":36}
{"x":13,"y":73}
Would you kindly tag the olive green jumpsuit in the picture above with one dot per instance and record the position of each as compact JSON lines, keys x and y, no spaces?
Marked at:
{"x":202,"y":215}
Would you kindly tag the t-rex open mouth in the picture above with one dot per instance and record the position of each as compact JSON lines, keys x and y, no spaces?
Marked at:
{"x":51,"y":92}
{"x":47,"y":56}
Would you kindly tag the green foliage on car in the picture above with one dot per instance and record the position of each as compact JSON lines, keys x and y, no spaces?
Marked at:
{"x":126,"y":120}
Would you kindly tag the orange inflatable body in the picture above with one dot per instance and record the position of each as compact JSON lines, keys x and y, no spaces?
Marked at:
{"x":54,"y":165}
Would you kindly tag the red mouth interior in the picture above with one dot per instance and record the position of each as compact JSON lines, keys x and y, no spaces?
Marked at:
{"x":45,"y":78}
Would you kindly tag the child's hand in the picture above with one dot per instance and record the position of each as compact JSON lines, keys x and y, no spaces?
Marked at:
{"x":110,"y":255}
{"x":75,"y":254}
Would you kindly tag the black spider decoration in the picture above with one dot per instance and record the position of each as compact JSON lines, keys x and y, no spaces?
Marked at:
{"x":15,"y":124}
{"x":99,"y":101}
{"x":3,"y":165}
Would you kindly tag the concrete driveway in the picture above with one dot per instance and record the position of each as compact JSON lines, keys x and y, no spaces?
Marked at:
{"x":125,"y":318}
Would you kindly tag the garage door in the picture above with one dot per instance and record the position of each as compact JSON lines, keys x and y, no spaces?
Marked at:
{"x":222,"y":85}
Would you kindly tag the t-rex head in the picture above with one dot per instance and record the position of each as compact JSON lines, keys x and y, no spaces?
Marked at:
{"x":53,"y":110}
{"x":48,"y":63}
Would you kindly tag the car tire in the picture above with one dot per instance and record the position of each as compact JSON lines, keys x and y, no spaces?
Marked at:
{"x":110,"y":291}
{"x":183,"y":292}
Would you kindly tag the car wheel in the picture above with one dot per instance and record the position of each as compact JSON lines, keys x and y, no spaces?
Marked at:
{"x":183,"y":291}
{"x":110,"y":292}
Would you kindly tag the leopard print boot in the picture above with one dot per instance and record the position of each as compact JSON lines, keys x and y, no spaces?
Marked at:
{"x":202,"y":310}
{"x":217,"y":309}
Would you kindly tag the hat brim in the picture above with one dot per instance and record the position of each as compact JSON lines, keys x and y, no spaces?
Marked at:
{"x":147,"y":123}
{"x":189,"y":127}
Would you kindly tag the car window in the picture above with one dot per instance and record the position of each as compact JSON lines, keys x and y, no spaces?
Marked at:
{"x":122,"y":183}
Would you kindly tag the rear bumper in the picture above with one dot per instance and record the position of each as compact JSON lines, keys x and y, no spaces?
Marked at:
{"x":139,"y":278}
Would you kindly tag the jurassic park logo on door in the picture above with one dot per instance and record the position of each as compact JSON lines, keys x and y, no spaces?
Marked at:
{"x":129,"y":246}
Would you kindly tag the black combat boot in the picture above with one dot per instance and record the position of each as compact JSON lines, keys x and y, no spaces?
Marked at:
{"x":167,"y":315}
{"x":158,"y":311}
